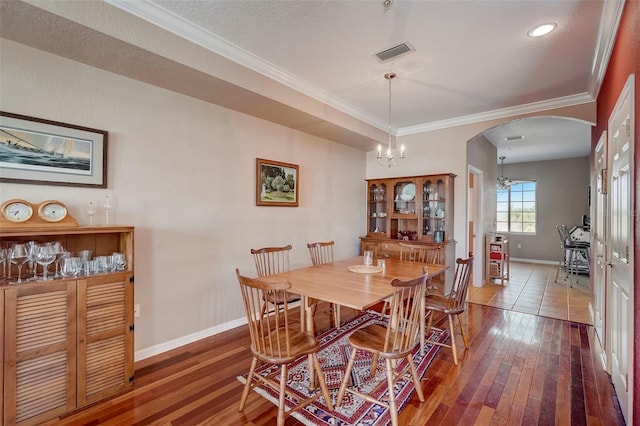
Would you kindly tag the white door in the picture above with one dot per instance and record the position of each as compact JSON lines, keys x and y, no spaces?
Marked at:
{"x":620,"y":250}
{"x":599,"y":242}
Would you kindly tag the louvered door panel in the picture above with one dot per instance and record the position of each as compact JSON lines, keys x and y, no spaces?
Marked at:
{"x":40,"y":362}
{"x":105,"y":343}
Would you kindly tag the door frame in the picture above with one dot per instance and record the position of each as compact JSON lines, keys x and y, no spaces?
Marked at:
{"x":478,"y":220}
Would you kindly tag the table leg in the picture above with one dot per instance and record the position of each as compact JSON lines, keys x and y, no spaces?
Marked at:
{"x":308,"y":309}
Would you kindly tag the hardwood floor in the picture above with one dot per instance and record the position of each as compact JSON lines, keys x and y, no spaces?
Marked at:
{"x":520,"y":369}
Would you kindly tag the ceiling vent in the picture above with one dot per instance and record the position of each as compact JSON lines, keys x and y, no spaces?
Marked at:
{"x":394,"y":51}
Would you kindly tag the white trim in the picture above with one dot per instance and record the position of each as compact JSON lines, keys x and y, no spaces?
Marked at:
{"x":478,"y":250}
{"x":607,"y":30}
{"x":540,"y":106}
{"x":189,"y":338}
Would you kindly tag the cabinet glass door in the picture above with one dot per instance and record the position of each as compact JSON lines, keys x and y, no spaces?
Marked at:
{"x":377,"y":209}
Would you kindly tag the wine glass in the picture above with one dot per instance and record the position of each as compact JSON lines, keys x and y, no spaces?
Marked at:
{"x":59,"y":251}
{"x":19,"y":255}
{"x":31,"y":254}
{"x":45,"y":256}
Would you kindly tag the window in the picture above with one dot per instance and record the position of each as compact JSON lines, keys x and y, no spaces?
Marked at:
{"x":516,"y":208}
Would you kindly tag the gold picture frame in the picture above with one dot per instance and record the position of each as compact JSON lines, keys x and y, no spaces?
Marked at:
{"x":277,"y":183}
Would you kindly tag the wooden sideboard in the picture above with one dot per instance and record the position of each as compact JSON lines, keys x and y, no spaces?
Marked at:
{"x":67,"y":342}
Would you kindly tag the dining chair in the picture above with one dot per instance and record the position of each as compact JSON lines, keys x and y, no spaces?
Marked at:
{"x":322,"y":253}
{"x":453,"y":305}
{"x":392,"y":343}
{"x":421,"y":253}
{"x":274,"y":342}
{"x":274,"y":260}
{"x":418,"y":253}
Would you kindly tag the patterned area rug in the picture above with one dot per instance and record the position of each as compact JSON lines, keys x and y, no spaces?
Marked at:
{"x":333,"y":356}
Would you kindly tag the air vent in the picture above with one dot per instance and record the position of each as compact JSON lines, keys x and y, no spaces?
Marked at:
{"x":394,"y":52}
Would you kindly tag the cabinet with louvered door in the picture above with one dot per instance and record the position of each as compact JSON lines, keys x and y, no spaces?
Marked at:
{"x":105,"y":336}
{"x":39,"y":351}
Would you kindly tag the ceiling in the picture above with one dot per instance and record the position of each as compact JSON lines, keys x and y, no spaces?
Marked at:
{"x":473,"y":60}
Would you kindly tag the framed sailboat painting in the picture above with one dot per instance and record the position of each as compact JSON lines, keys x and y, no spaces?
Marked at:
{"x":38,"y":151}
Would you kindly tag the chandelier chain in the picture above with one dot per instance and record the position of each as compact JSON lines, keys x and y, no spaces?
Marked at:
{"x":391,"y":158}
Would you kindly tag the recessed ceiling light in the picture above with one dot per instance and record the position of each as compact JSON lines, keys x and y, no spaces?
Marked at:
{"x":540,"y":30}
{"x":513,"y":138}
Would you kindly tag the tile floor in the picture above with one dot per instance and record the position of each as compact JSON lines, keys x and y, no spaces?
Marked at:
{"x":531,"y":289}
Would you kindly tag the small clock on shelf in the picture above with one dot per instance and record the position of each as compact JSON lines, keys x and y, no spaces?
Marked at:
{"x":17,"y":213}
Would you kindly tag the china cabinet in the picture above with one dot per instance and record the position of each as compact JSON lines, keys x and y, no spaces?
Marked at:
{"x":67,"y":342}
{"x":416,"y":208}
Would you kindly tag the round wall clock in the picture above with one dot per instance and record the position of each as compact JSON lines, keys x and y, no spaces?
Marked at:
{"x":52,"y":211}
{"x":16,"y":210}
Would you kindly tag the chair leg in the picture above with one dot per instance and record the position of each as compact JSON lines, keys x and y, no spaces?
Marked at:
{"x":347,"y":374}
{"x":464,"y":334}
{"x":416,"y":379}
{"x":393,"y":409}
{"x":429,"y":322}
{"x":283,"y":388}
{"x":323,"y":384}
{"x":453,"y":340}
{"x":247,"y":386}
{"x":374,"y":364}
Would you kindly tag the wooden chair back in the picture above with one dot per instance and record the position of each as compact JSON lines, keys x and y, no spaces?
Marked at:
{"x":458,"y":297}
{"x":268,"y":328}
{"x":321,"y":252}
{"x":271,"y":260}
{"x":403,"y":331}
{"x":421,"y":253}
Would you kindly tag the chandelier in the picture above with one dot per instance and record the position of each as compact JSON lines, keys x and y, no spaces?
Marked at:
{"x":391,"y":156}
{"x":503,"y":182}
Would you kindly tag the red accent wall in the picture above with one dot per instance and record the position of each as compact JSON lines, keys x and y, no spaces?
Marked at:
{"x":625,"y":60}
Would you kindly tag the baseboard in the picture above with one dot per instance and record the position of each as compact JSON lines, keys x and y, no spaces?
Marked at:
{"x":542,"y":262}
{"x":190,"y":338}
{"x":193,"y":337}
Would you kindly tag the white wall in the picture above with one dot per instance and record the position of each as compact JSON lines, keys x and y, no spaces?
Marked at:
{"x":182,"y":171}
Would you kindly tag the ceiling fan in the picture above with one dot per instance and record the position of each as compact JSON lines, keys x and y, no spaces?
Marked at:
{"x":503,"y":182}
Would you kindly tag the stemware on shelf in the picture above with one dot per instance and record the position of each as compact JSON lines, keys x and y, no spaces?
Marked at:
{"x":70,"y":266}
{"x":59,"y":251}
{"x":19,"y":255}
{"x":45,"y":256}
{"x":31,"y":254}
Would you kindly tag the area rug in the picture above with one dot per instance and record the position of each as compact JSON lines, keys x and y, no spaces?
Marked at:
{"x":333,"y":356}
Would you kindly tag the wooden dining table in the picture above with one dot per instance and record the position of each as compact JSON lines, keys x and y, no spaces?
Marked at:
{"x":335,"y":283}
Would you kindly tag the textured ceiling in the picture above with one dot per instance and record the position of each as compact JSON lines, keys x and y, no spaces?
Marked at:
{"x":472,"y":62}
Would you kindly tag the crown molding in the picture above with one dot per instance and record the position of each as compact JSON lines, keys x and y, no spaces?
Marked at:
{"x":533,"y":107}
{"x":608,"y":29}
{"x":162,"y":18}
{"x":169,"y":21}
